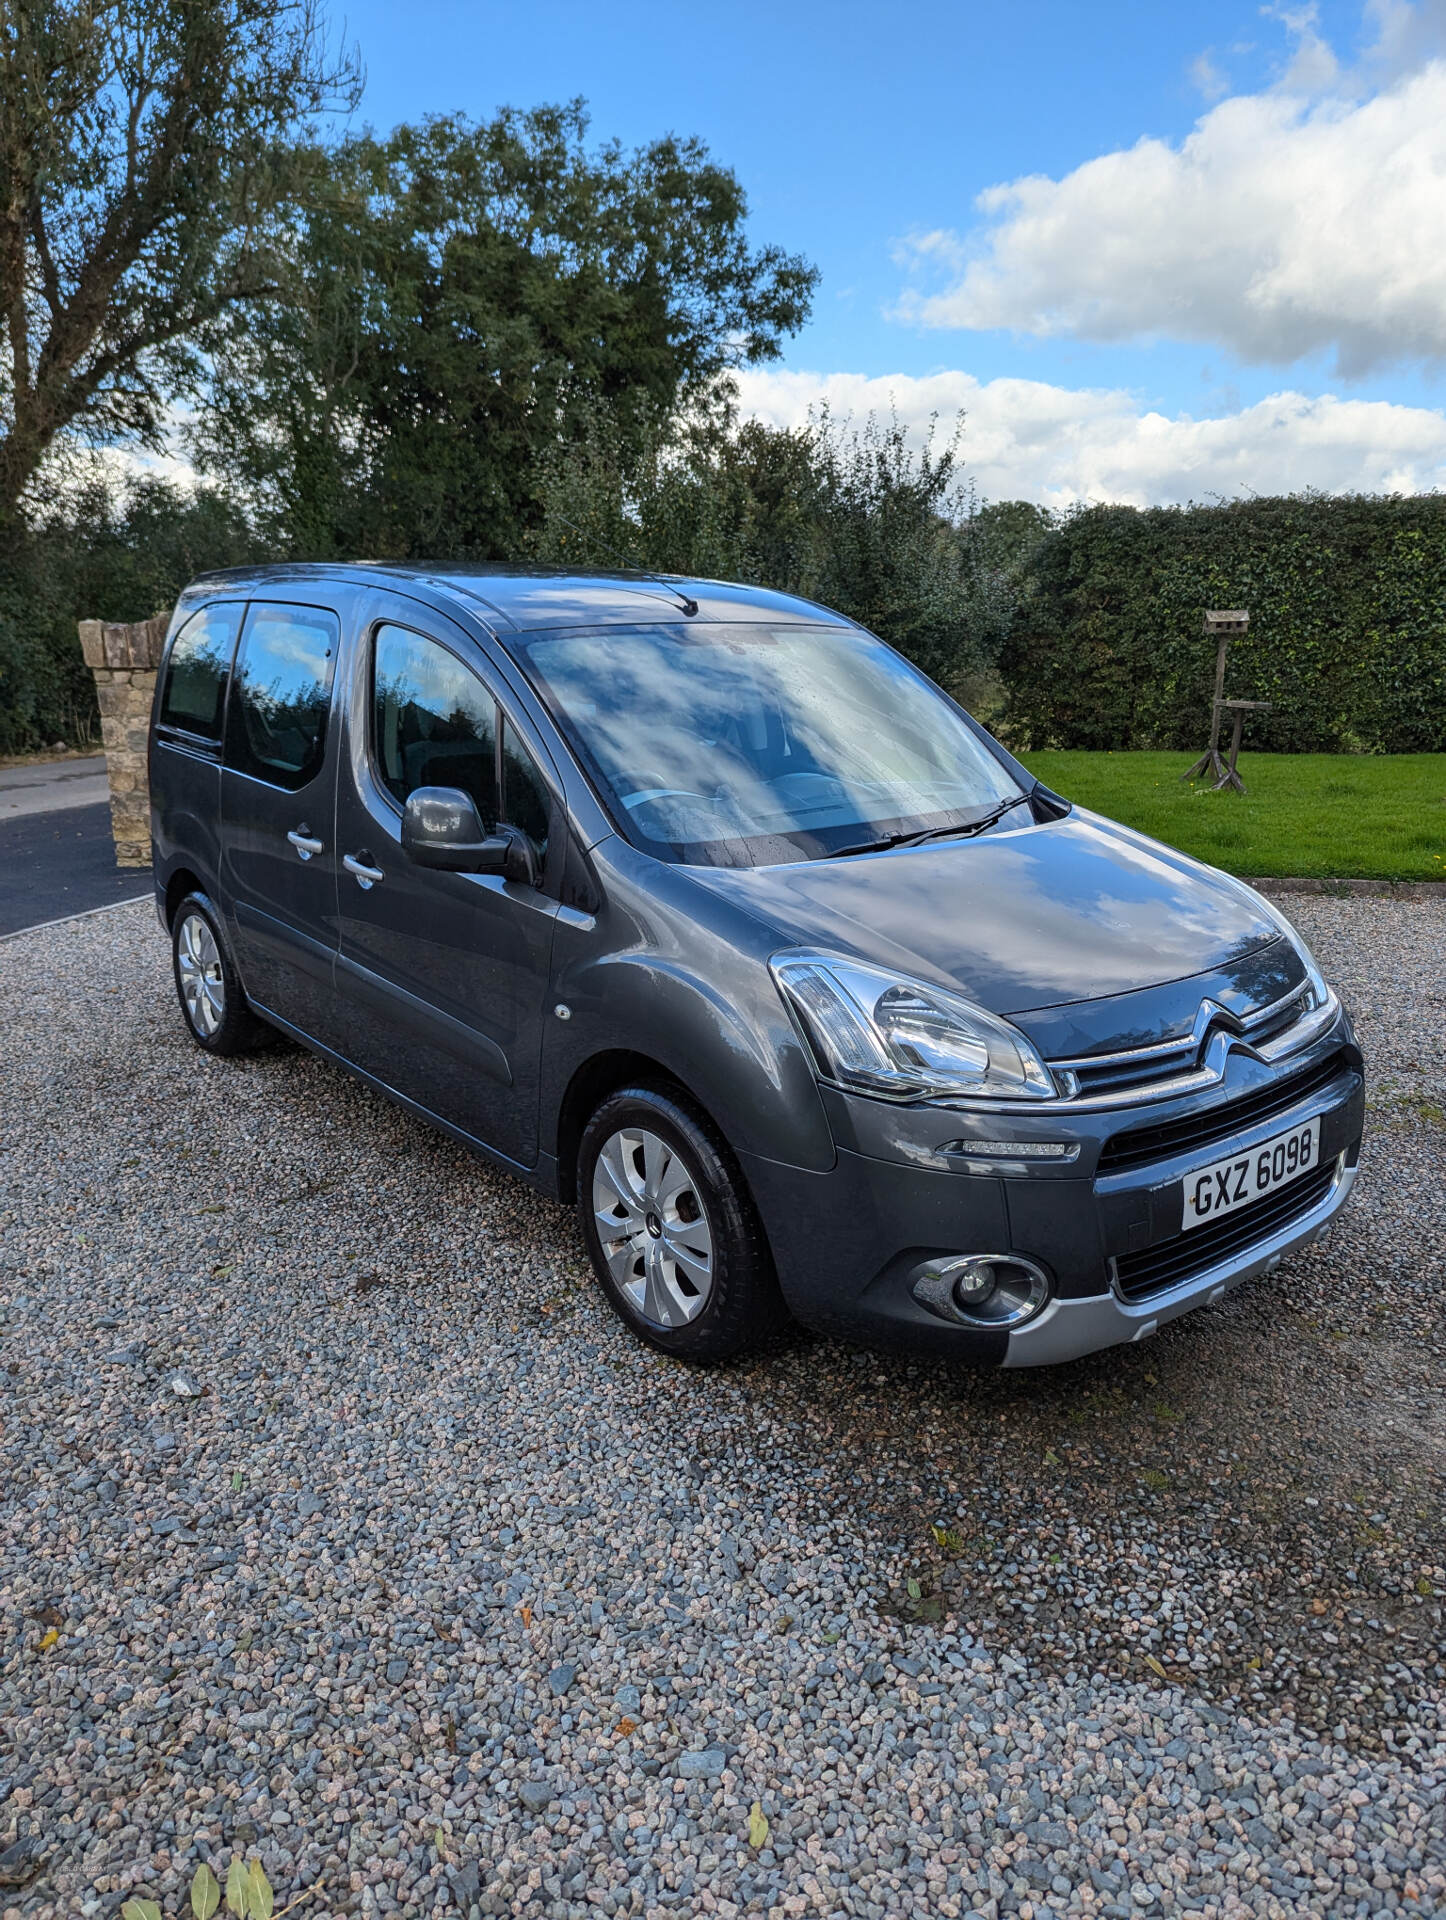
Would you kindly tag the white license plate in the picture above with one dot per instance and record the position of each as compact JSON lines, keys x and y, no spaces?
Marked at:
{"x":1227,"y":1184}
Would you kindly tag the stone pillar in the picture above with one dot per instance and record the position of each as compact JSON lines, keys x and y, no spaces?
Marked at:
{"x":124,"y":661}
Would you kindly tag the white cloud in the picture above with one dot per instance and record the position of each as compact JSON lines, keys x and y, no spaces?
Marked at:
{"x":1287,"y":223}
{"x":1025,"y":439}
{"x":1208,"y":78}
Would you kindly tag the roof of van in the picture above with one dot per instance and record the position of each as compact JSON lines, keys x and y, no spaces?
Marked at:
{"x":530,"y":599}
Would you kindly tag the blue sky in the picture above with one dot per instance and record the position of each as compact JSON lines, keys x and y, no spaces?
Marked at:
{"x":1264,"y":309}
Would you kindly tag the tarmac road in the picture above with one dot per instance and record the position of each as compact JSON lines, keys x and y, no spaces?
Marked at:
{"x":56,"y":854}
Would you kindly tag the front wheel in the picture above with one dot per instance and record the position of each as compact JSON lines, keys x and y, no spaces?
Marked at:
{"x":207,"y":984}
{"x":671,"y":1229}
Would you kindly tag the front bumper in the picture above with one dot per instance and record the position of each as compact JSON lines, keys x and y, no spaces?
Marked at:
{"x":847,"y":1242}
{"x":1066,"y":1329}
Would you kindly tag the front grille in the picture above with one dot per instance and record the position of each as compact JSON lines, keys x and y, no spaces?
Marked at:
{"x":1169,"y":1262}
{"x":1115,"y":1076}
{"x":1155,"y":1067}
{"x":1142,"y":1145}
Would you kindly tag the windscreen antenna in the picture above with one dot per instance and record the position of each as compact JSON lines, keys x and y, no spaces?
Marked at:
{"x":684,"y":600}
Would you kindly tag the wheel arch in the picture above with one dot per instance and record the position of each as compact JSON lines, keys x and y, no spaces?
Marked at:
{"x":180,"y":883}
{"x":592,"y":1081}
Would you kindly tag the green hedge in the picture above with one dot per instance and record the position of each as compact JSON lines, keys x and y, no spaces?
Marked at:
{"x":1347,"y":638}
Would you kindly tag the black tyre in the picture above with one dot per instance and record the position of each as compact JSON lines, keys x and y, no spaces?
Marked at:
{"x":671,"y":1228}
{"x":208,"y":987}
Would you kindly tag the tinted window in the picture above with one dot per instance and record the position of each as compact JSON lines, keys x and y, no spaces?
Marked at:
{"x":524,"y":795}
{"x":283,"y":689}
{"x":195,"y":688}
{"x":435,"y":723}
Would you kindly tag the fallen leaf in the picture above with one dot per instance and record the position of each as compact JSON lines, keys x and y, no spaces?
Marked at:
{"x":625,"y":1727}
{"x":1051,"y":1458}
{"x":757,"y":1826}
{"x":205,"y":1893}
{"x":1153,"y":1664}
{"x":238,"y":1886}
{"x":140,"y":1910}
{"x":260,"y":1901}
{"x":526,"y":1613}
{"x":914,"y":1589}
{"x":49,"y":1640}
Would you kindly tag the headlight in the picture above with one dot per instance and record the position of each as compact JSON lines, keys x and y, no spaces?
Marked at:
{"x":1321,"y":995}
{"x":879,"y":1032}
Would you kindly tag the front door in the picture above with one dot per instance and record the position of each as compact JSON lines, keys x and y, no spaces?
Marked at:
{"x":444,"y":974}
{"x":278,"y":785}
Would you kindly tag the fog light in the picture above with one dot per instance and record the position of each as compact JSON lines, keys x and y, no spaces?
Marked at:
{"x":981,"y":1289}
{"x":975,"y":1283}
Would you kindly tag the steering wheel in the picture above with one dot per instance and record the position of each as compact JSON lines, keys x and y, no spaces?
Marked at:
{"x":663,"y":793}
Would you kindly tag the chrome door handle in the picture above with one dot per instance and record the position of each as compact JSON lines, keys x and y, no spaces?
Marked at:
{"x":303,"y":842}
{"x":364,"y":875}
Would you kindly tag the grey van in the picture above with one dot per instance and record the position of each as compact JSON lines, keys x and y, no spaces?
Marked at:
{"x":699,"y":907}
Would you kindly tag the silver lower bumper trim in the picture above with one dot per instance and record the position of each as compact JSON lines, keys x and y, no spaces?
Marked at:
{"x":1069,"y":1328}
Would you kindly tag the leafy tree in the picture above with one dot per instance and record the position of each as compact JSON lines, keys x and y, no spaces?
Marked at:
{"x":143,"y":158}
{"x":110,"y":552}
{"x":469,"y":295}
{"x":851,"y":516}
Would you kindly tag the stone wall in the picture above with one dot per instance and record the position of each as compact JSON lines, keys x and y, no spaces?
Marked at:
{"x":124,"y":661}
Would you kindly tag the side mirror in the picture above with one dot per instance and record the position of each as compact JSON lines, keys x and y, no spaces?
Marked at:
{"x":442,"y":829}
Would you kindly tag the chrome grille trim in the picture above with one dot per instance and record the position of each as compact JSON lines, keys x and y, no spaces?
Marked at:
{"x":1210,"y":1013}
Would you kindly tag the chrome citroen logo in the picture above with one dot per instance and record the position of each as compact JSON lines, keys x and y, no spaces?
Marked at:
{"x":1215,"y":1032}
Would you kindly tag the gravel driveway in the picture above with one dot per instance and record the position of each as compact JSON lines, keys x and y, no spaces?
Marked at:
{"x":441,"y":1594}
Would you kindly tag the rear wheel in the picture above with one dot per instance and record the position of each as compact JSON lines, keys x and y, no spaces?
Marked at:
{"x":671,"y":1228}
{"x":207,"y":984}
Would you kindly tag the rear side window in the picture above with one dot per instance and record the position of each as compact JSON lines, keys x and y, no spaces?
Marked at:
{"x":193,"y":697}
{"x":436,"y":724}
{"x":277,"y":726}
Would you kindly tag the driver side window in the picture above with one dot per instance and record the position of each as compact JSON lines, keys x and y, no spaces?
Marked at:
{"x":434,"y":724}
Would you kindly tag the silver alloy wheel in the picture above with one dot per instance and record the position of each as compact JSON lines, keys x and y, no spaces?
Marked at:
{"x":203,"y":986}
{"x":653,"y":1227}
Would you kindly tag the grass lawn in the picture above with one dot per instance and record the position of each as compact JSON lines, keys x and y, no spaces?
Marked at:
{"x":1332,"y":815}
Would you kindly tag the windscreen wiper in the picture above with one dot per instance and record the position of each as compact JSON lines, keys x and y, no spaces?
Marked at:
{"x":968,"y":829}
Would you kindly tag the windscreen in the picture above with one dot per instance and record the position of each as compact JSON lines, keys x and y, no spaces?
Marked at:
{"x":731,"y":745}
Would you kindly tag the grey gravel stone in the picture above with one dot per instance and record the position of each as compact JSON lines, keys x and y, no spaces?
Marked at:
{"x":430,"y":1469}
{"x":562,"y":1677}
{"x":465,"y":1881}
